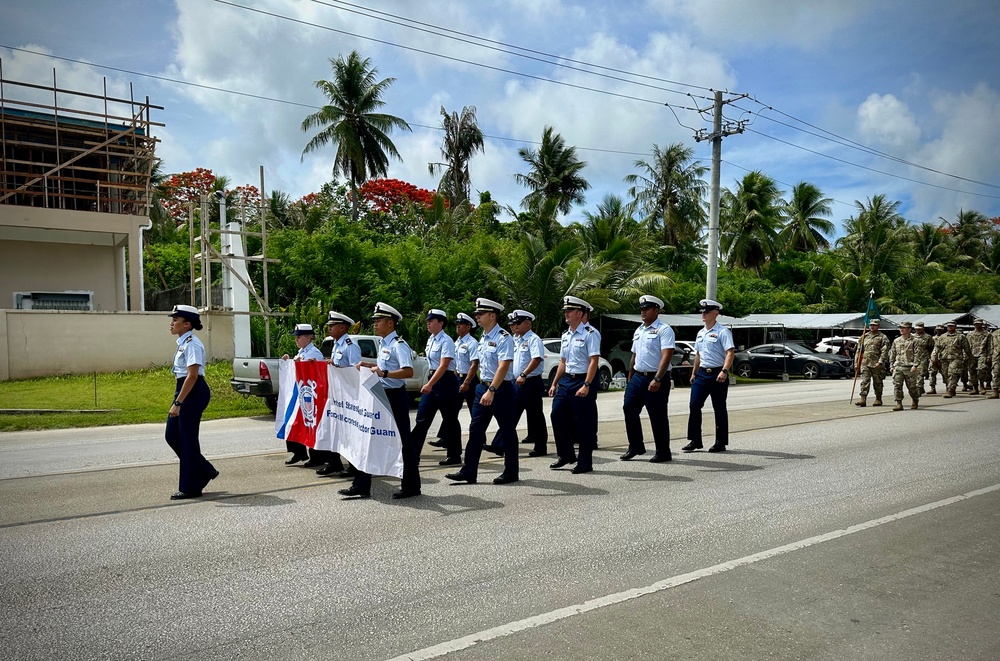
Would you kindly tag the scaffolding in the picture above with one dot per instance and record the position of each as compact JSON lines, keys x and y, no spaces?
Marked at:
{"x":59,"y":154}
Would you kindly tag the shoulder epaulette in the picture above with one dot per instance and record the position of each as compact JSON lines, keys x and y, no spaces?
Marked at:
{"x":503,"y":332}
{"x":590,"y":329}
{"x":190,"y":337}
{"x":349,"y":343}
{"x":399,"y":339}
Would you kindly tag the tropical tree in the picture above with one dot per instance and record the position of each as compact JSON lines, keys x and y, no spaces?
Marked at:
{"x":554,"y":173}
{"x":462,"y":139}
{"x":350,"y":122}
{"x":669,"y":192}
{"x":805,"y":226}
{"x":875,"y":250}
{"x":749,"y":219}
{"x":931,"y":245}
{"x":969,"y":234}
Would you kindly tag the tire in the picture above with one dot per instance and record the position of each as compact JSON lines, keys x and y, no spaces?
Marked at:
{"x":272,"y":404}
{"x":744,"y":370}
{"x":604,"y":379}
{"x":810,"y":371}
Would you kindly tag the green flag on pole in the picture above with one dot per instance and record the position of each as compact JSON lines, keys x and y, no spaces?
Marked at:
{"x":872,"y":312}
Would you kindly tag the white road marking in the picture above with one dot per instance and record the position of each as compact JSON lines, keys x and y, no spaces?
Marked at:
{"x":536,"y":621}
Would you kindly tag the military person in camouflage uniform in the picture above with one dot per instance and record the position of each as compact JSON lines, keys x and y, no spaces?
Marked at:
{"x":908,"y":359}
{"x":873,"y":355}
{"x":950,"y":351}
{"x":979,"y":349}
{"x":926,"y":343}
{"x":995,"y":357}
{"x":935,"y":366}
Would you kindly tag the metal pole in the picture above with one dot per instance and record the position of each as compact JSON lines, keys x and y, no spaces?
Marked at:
{"x":263,"y":254}
{"x":712,"y":276}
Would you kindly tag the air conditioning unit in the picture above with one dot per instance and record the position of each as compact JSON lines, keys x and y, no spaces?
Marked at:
{"x":54,"y":300}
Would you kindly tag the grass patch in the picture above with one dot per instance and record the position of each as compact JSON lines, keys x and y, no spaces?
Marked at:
{"x":138,"y":396}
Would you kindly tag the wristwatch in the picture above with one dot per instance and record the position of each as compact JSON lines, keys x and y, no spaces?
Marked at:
{"x":492,"y":388}
{"x":522,"y":376}
{"x":586,"y":383}
{"x":385,"y":374}
{"x":658,"y":379}
{"x":177,"y":403}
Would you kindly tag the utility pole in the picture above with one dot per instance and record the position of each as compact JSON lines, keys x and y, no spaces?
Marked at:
{"x":718,"y":133}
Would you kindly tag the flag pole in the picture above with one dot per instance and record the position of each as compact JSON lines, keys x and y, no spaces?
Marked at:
{"x":870,"y":313}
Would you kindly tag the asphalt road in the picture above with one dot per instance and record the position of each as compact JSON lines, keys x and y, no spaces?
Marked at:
{"x":827,"y":532}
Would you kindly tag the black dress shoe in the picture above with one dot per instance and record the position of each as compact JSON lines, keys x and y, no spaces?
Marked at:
{"x":437,"y":444}
{"x":582,"y":469}
{"x":184,"y":495}
{"x":312,"y":463}
{"x":213,"y":476}
{"x":717,"y":448}
{"x":461,"y":477}
{"x":495,"y":449}
{"x":631,"y":453}
{"x":450,"y":461}
{"x":350,"y":471}
{"x":538,"y":453}
{"x":503,"y":478}
{"x":401,"y":494}
{"x":295,"y":459}
{"x":330,"y":469}
{"x":354,"y":492}
{"x":562,"y":462}
{"x":660,"y":458}
{"x":691,"y":447}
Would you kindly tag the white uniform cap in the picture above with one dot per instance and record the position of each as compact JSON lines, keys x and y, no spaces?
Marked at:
{"x":518,"y":315}
{"x":188,"y":312}
{"x":707,"y":305}
{"x":576,"y":303}
{"x":648,"y":301}
{"x":435,"y":313}
{"x":486,"y":305}
{"x":303,"y":329}
{"x":462,"y":317}
{"x":338,"y":318}
{"x":386,"y":310}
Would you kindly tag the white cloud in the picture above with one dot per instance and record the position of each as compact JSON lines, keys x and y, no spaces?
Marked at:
{"x":764,"y":23}
{"x":885,"y":120}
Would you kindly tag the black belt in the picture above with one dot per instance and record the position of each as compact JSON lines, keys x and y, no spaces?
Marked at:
{"x":576,"y":376}
{"x":709,"y":370}
{"x":646,"y":373}
{"x":461,"y":376}
{"x":537,"y":376}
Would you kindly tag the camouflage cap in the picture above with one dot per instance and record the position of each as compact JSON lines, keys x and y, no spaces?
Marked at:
{"x":906,"y":324}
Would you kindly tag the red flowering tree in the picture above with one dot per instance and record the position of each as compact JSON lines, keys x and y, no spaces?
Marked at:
{"x":396,"y":207}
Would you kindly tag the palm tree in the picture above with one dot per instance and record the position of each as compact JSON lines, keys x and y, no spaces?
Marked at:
{"x":805,"y":229}
{"x":349,"y":122}
{"x":930,"y":244}
{"x":462,"y":139}
{"x":749,"y":219}
{"x":669,"y":193}
{"x":969,"y":232}
{"x":554,"y":173}
{"x":875,"y":249}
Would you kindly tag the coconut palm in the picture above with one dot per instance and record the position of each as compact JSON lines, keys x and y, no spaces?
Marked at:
{"x":554,"y":172}
{"x":875,"y":247}
{"x":805,"y":227}
{"x":749,"y":219}
{"x":969,"y":234}
{"x":669,"y":193}
{"x":931,"y":244}
{"x":350,"y":122}
{"x":462,"y":139}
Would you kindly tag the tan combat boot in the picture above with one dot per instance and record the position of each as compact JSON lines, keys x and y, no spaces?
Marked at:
{"x":913,"y":404}
{"x":861,"y":402}
{"x":975,"y":391}
{"x":878,"y":401}
{"x":949,"y":394}
{"x":995,"y":395}
{"x":898,"y":406}
{"x":933,"y":390}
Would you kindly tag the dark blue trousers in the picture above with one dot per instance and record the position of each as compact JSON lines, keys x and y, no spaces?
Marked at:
{"x":182,"y":437}
{"x":703,"y":386}
{"x":399,"y":402}
{"x":528,"y":400}
{"x":574,"y":421}
{"x":503,"y":409}
{"x":443,"y":397}
{"x":637,"y":397}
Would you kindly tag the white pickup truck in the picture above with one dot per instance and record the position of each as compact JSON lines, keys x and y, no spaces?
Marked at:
{"x":258,"y":377}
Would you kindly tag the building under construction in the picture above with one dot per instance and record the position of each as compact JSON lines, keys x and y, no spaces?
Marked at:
{"x":75,"y":171}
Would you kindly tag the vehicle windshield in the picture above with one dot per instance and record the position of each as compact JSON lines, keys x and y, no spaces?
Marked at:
{"x":800,"y":348}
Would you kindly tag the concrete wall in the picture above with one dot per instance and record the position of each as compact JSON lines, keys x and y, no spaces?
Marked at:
{"x":47,"y":342}
{"x":35,"y":266}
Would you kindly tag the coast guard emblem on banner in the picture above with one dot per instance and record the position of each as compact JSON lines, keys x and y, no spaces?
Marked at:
{"x":307,"y":402}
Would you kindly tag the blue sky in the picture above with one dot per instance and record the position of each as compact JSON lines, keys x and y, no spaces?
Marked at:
{"x":915,"y":79}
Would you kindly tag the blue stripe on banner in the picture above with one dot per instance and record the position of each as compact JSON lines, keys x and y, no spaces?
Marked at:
{"x":293,"y":402}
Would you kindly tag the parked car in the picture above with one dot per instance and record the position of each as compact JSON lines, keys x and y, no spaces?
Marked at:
{"x":553,"y":345}
{"x":620,"y":357}
{"x":790,"y":358}
{"x":258,"y":377}
{"x":838,"y":344}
